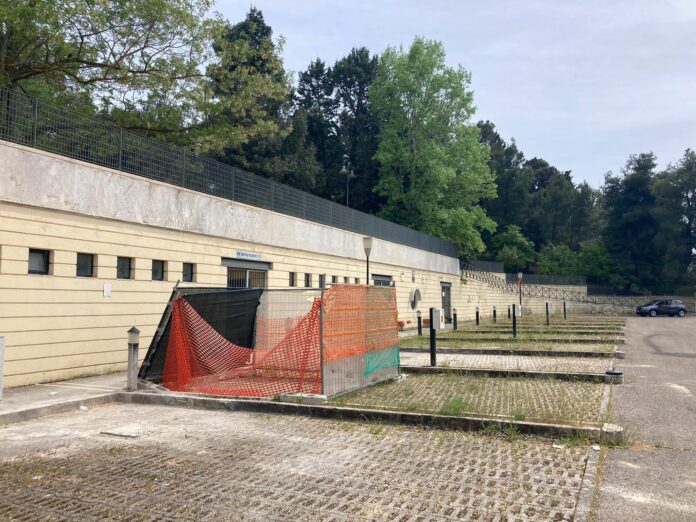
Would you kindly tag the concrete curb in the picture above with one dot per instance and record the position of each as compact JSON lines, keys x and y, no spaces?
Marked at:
{"x":587,"y":488}
{"x":529,"y":374}
{"x":26,"y":414}
{"x":592,"y":432}
{"x":584,"y":340}
{"x":351,"y":414}
{"x":505,"y":351}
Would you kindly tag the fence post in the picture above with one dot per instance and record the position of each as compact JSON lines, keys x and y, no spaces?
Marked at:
{"x":433,"y":342}
{"x":34,"y":120}
{"x":495,"y":317}
{"x":2,"y":362}
{"x":133,"y":341}
{"x":454,"y":318}
{"x":120,"y":149}
{"x":419,"y":316}
{"x":565,"y":311}
{"x":514,"y":322}
{"x":547,"y":314}
{"x":322,"y":388}
{"x":478,"y":317}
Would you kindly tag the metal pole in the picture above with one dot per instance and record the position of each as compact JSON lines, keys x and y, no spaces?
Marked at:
{"x":495,"y":316}
{"x":508,"y":311}
{"x":321,"y":341}
{"x":419,"y":315}
{"x":433,"y":343}
{"x":454,"y":318}
{"x":120,"y":149}
{"x":514,"y":322}
{"x":547,"y":314}
{"x":565,"y":311}
{"x":520,"y":285}
{"x":2,"y":362}
{"x":367,"y":280}
{"x":133,"y":341}
{"x":34,"y":120}
{"x":477,"y":316}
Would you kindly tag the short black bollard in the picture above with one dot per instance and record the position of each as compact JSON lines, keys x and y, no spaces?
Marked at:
{"x":565,"y":311}
{"x":454,"y":318}
{"x":547,"y":314}
{"x":433,"y":343}
{"x":419,"y":315}
{"x":495,"y":316}
{"x":514,"y":322}
{"x":508,"y":311}
{"x":478,"y":317}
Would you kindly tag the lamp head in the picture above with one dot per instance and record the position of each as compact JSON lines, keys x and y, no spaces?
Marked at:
{"x":367,"y":245}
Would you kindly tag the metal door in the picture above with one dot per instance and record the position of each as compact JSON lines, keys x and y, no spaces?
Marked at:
{"x":446,"y":289}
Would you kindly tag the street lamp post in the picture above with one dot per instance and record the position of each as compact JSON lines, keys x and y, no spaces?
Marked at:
{"x":367,"y":246}
{"x":519,"y":284}
{"x":349,"y":174}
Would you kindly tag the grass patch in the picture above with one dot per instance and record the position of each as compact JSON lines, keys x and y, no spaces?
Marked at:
{"x":546,"y":400}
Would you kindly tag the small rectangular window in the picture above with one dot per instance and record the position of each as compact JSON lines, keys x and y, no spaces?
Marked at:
{"x":157,"y":270}
{"x":187,"y":273}
{"x":85,"y":265}
{"x":382,"y":280}
{"x":293,"y":279}
{"x":39,"y":261}
{"x":357,"y":280}
{"x":322,"y":280}
{"x":124,"y":268}
{"x":308,"y":280}
{"x":413,"y":276}
{"x":334,"y":280}
{"x":346,"y":280}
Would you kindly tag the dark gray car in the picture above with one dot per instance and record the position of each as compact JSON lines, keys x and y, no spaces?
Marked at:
{"x":670,"y":307}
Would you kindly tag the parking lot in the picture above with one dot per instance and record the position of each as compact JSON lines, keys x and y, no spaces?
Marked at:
{"x":203,"y":465}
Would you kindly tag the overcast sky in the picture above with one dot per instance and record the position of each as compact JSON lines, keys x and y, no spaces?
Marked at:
{"x":582,"y":84}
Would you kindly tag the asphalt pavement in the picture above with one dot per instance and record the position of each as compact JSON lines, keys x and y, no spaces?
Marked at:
{"x":654,"y":477}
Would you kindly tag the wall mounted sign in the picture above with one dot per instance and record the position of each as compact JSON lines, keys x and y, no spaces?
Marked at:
{"x":254,"y":256}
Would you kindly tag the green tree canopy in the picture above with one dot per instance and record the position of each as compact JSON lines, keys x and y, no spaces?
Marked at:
{"x":513,"y":249}
{"x":433,"y":170}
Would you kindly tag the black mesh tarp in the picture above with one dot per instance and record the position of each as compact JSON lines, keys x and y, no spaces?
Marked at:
{"x":231,"y":313}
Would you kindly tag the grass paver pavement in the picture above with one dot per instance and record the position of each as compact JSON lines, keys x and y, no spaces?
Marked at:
{"x":540,"y":400}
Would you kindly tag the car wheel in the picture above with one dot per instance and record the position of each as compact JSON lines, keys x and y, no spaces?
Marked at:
{"x":653,"y":313}
{"x":682,"y":313}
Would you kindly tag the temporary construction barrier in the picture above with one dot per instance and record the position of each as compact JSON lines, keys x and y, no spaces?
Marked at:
{"x":261,"y":343}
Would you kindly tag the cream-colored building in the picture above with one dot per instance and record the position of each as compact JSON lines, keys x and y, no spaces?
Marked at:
{"x":87,"y":252}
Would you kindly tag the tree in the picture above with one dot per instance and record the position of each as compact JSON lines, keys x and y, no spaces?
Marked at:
{"x":357,"y":128}
{"x":250,"y":92}
{"x":513,"y":182}
{"x":124,"y":52}
{"x":557,"y":260}
{"x":513,"y":249}
{"x":675,"y":214}
{"x":433,"y":170}
{"x":630,"y":230}
{"x":594,"y":262}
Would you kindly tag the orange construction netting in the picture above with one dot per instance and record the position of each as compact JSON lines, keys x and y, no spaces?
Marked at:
{"x":287,"y":353}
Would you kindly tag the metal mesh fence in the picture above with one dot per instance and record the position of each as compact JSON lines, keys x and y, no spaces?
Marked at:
{"x":34,"y":123}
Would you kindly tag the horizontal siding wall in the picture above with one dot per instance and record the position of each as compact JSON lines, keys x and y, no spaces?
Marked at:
{"x":60,"y":326}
